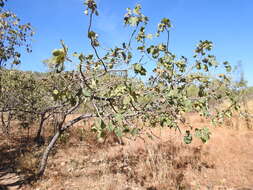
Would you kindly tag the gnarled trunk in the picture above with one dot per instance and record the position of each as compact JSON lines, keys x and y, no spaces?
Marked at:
{"x":62,"y":127}
{"x":44,"y":159}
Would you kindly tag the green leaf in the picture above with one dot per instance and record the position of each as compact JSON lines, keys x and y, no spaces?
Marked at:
{"x":75,"y":54}
{"x":135,"y":131}
{"x":119,"y":117}
{"x":57,"y":52}
{"x":188,"y":137}
{"x":203,"y":134}
{"x":102,"y":124}
{"x":110,"y":127}
{"x":56,"y":92}
{"x":228,"y":114}
{"x":137,"y":9}
{"x":126,"y":129}
{"x":228,"y":68}
{"x":118,"y":132}
{"x":141,"y":48}
{"x":166,"y":21}
{"x":161,"y":47}
{"x":133,"y":21}
{"x":86,"y":93}
{"x":139,"y":69}
{"x":205,"y":68}
{"x":91,"y":34}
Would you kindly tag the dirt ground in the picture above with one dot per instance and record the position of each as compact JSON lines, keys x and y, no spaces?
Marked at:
{"x":161,"y":163}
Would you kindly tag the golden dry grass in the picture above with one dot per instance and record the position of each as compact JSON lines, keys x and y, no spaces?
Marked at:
{"x":81,"y":163}
{"x":225,"y":162}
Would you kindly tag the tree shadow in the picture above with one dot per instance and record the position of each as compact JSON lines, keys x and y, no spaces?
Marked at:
{"x":12,"y":173}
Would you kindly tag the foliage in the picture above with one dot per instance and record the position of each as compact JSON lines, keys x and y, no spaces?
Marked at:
{"x":13,"y":35}
{"x":203,"y":134}
{"x":29,"y":98}
{"x":21,"y":94}
{"x":2,"y":2}
{"x":164,"y":99}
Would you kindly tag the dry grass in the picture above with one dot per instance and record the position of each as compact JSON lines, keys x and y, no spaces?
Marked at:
{"x":168,"y":164}
{"x":165,"y":163}
{"x":225,"y":162}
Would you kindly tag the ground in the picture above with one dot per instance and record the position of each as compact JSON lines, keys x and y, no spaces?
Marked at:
{"x":79,"y":162}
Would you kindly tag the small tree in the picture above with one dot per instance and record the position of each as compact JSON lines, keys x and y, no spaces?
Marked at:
{"x":13,"y":36}
{"x":161,"y":100}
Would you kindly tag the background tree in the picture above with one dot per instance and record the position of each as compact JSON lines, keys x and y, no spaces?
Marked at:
{"x":13,"y":36}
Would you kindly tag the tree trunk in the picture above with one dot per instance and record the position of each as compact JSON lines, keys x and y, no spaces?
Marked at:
{"x":6,"y":124}
{"x":47,"y":151}
{"x":39,"y":139}
{"x":60,"y":130}
{"x":43,"y":162}
{"x":2,"y":122}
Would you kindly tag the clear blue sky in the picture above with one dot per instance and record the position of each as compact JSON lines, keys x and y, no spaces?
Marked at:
{"x":228,"y":23}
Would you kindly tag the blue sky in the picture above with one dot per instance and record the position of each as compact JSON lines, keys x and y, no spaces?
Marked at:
{"x":228,"y":23}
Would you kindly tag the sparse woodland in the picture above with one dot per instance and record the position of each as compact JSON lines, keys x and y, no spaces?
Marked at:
{"x":114,"y":91}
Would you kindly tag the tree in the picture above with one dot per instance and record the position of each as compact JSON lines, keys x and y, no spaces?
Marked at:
{"x":21,"y":98}
{"x":28,"y":98}
{"x":161,"y":100}
{"x":13,"y":35}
